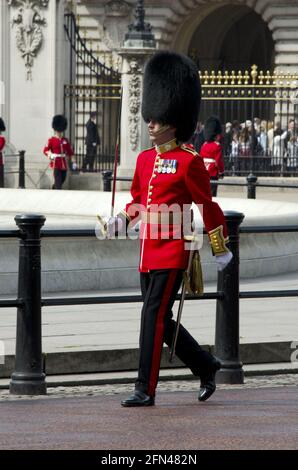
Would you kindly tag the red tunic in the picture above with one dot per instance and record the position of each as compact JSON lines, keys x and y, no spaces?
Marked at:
{"x":60,"y":147}
{"x":151,"y":188}
{"x":212,"y":155}
{"x":2,"y":145}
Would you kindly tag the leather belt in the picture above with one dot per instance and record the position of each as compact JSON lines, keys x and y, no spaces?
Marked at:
{"x":209,"y":160}
{"x":166,"y":218}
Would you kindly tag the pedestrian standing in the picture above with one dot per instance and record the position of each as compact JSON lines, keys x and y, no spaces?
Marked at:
{"x":92,"y":142}
{"x":198,"y":137}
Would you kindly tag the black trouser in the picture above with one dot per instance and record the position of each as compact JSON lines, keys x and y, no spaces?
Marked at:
{"x":159,"y":290}
{"x":90,"y":157}
{"x":59,"y":178}
{"x":213,"y":183}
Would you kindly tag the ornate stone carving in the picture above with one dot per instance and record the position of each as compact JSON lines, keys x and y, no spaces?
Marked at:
{"x":134,"y":103}
{"x":117,"y":8}
{"x":28,"y":21}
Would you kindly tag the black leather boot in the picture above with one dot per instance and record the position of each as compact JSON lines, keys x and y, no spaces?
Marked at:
{"x":208,"y":385}
{"x":138,"y":399}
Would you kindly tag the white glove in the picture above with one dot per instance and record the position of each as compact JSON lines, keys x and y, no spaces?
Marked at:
{"x":94,"y":144}
{"x":223,"y":260}
{"x":114,"y":225}
{"x":52,"y":156}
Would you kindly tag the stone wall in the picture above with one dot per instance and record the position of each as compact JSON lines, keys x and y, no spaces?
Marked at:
{"x":82,"y":264}
{"x":34,"y":83}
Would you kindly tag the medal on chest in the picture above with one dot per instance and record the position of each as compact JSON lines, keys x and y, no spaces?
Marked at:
{"x":167,"y":166}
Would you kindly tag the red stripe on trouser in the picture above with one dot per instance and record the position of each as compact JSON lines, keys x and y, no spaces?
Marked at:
{"x":159,"y":332}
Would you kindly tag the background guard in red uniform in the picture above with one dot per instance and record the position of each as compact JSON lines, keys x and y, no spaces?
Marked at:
{"x":169,"y":173}
{"x":211,"y":151}
{"x":2,"y":145}
{"x":59,"y":151}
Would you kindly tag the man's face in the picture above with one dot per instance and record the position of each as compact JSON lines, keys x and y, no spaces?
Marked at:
{"x":160,"y":133}
{"x":291,"y":125}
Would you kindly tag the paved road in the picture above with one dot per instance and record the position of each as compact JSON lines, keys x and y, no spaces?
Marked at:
{"x":234,"y":418}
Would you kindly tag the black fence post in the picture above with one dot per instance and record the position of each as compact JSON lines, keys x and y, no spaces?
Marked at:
{"x":251,"y":186}
{"x":227,"y":310}
{"x":28,"y":377}
{"x":22,"y":169}
{"x":1,"y":170}
{"x":107,"y":181}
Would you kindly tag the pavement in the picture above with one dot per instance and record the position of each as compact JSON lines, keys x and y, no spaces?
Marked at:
{"x":261,"y":414}
{"x":270,"y":194}
{"x":104,"y":338}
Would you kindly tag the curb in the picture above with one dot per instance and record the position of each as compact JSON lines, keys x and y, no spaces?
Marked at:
{"x":119,"y":360}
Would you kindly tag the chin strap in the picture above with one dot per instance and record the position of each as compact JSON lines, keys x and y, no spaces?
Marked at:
{"x":163,"y":129}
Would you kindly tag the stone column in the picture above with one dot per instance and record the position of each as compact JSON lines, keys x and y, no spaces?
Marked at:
{"x":139,"y":45}
{"x":4,"y":62}
{"x":10,"y":162}
{"x":134,"y":135}
{"x":37,"y":75}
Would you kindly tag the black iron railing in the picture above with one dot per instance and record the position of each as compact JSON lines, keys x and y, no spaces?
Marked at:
{"x":21,"y":171}
{"x":262,"y":165}
{"x":28,"y":377}
{"x":251,"y":183}
{"x":92,"y":87}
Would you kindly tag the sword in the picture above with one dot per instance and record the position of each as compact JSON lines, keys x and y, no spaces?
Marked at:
{"x":181,"y":303}
{"x":116,"y":161}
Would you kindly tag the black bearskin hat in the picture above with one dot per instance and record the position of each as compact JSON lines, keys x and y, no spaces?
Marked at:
{"x":212,"y":128}
{"x":172,"y":92}
{"x":59,"y":123}
{"x":2,"y":125}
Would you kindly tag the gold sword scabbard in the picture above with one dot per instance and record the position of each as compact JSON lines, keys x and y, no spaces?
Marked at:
{"x":180,"y":308}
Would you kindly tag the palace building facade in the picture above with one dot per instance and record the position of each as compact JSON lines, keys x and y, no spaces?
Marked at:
{"x":60,"y":56}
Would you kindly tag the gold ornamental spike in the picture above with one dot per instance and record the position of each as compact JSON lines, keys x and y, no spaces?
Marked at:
{"x":239,"y":77}
{"x":246,"y":77}
{"x":254,"y":73}
{"x":233,"y":77}
{"x":268,"y":78}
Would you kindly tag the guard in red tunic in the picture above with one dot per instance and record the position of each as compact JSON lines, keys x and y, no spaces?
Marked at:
{"x":167,"y":179}
{"x":211,"y":151}
{"x":2,"y":140}
{"x":59,"y":151}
